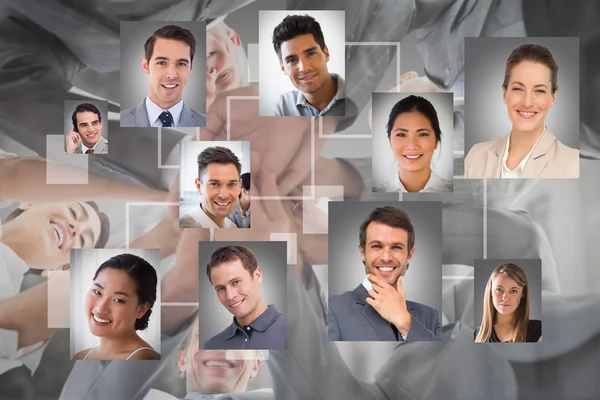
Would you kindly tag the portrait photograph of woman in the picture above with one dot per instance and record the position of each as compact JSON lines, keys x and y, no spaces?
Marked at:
{"x":539,"y":139}
{"x":507,"y":314}
{"x":412,"y":142}
{"x":114,"y":313}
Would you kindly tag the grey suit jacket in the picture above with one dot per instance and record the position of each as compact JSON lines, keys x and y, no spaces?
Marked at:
{"x":351,"y":318}
{"x":101,"y":148}
{"x":138,"y":117}
{"x":550,"y":159}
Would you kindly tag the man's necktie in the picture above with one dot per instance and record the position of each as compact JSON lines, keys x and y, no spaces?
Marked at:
{"x":90,"y":151}
{"x":166,"y":118}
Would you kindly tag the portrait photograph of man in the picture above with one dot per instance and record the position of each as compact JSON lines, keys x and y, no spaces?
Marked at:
{"x":384,"y":300}
{"x":302,"y":66}
{"x":157,"y":64}
{"x":86,"y":129}
{"x":212,"y":189}
{"x":243,"y":289}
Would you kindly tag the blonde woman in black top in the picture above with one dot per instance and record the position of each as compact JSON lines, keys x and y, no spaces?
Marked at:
{"x":506,"y":308}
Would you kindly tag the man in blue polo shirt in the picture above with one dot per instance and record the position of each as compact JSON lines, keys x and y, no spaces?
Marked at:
{"x":234,"y":273}
{"x":303,"y":56}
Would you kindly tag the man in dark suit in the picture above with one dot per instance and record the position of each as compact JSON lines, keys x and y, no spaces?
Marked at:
{"x":169,"y":54}
{"x":377,"y":309}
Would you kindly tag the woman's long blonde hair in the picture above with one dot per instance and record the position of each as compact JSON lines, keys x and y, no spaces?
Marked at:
{"x":521,"y":314}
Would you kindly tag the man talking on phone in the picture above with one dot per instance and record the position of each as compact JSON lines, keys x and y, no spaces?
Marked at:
{"x":86,"y":136}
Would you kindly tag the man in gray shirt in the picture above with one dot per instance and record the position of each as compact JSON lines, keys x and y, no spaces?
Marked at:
{"x":303,"y":56}
{"x":234,"y":273}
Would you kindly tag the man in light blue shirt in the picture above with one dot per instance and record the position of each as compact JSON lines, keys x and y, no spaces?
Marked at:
{"x":303,"y":56}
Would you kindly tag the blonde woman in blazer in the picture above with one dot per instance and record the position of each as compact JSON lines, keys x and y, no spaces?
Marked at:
{"x":530,"y":150}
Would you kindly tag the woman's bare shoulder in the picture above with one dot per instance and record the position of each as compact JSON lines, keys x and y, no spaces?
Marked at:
{"x":81,"y":355}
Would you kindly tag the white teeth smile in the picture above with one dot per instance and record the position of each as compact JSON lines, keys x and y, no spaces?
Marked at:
{"x":170,"y":86}
{"x":218,"y":364}
{"x":236,"y":304}
{"x":102,"y":321}
{"x":527,"y":114}
{"x":385,"y":269}
{"x":60,"y":238}
{"x":222,"y":204}
{"x":412,"y":157}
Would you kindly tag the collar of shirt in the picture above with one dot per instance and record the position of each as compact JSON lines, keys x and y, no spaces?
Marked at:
{"x":261,"y":324}
{"x":154,"y":112}
{"x":516,"y":173}
{"x":434,"y":184}
{"x":339,"y":95}
{"x":84,"y":148}
{"x":367,"y":284}
{"x":205,"y":222}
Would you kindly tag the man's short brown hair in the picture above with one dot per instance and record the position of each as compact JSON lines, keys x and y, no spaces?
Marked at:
{"x":170,"y":32}
{"x":231,"y":253}
{"x":217,"y":155}
{"x":390,"y":216}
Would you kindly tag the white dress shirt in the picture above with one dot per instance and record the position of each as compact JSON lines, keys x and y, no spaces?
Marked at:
{"x":434,"y":184}
{"x":154,"y":112}
{"x":12,"y":269}
{"x":84,"y":148}
{"x":516,"y":173}
{"x":367,"y":285}
{"x":203,"y":220}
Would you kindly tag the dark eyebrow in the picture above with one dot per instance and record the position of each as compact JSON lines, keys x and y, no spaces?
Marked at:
{"x":309,"y":49}
{"x":85,"y":123}
{"x":87,"y":216}
{"x":218,"y":180}
{"x":418,"y":130}
{"x":379,"y":242}
{"x":167,"y":59}
{"x":121,"y":293}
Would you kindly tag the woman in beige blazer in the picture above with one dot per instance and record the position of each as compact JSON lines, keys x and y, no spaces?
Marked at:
{"x":530,"y":150}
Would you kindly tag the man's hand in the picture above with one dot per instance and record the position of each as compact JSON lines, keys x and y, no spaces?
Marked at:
{"x":72,"y":140}
{"x":390,"y":303}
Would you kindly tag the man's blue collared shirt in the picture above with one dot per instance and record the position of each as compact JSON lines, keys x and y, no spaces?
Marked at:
{"x":267,"y":332}
{"x":295,"y":104}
